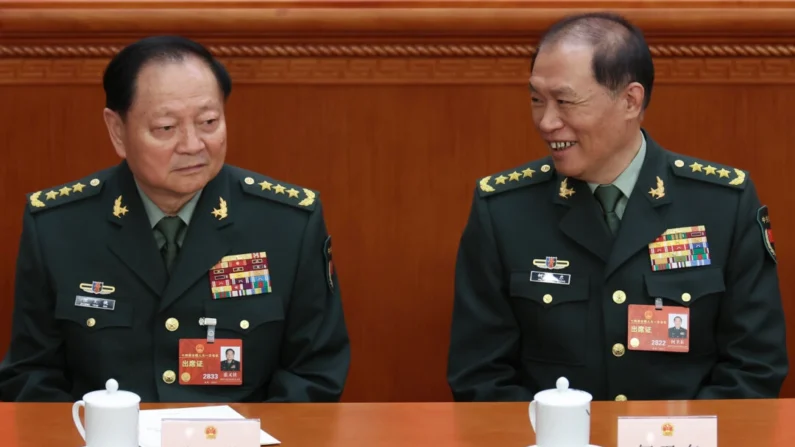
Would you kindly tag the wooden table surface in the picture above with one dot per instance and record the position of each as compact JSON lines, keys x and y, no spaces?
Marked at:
{"x":757,"y":423}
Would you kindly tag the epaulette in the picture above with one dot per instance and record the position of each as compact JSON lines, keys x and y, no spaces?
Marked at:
{"x":268,"y":188}
{"x":65,"y":193}
{"x":532,"y":173}
{"x":710,"y":172}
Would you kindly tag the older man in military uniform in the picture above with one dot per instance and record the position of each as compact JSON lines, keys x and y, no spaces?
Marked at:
{"x":142,"y":272}
{"x":677,"y":331}
{"x":570,"y":265}
{"x":229,"y":363}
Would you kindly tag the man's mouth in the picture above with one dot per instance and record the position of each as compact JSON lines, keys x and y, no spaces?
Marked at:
{"x":560,"y":145}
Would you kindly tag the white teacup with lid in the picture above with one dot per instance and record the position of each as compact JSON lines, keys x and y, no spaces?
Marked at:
{"x":561,"y":417}
{"x":111,"y":417}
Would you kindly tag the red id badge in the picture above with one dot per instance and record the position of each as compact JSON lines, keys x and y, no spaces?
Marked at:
{"x":202,"y":363}
{"x":665,"y":330}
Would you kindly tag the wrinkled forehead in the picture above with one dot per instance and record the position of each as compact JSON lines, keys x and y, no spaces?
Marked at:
{"x":169,"y":84}
{"x":563,"y":68}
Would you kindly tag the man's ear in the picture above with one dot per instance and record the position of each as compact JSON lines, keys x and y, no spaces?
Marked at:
{"x":634,"y":95}
{"x":115,"y":125}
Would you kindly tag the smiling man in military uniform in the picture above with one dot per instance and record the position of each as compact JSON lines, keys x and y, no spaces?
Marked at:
{"x":140,"y":272}
{"x":570,"y":265}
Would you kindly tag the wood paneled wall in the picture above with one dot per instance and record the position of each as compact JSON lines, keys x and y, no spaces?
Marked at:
{"x":392,"y":110}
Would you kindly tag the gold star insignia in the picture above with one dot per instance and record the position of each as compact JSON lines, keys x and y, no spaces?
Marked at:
{"x":514,"y":176}
{"x":118,"y":209}
{"x":266,"y":185}
{"x":78,"y":187}
{"x":500,"y":180}
{"x":279,"y":189}
{"x":51,"y":195}
{"x":65,"y":191}
{"x":292,"y":192}
{"x":710,"y":170}
{"x":696,"y":166}
{"x":528,"y":172}
{"x":723,"y":173}
{"x":221,"y":211}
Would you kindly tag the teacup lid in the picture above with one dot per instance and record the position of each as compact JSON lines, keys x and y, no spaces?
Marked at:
{"x":562,"y":395}
{"x":111,"y":397}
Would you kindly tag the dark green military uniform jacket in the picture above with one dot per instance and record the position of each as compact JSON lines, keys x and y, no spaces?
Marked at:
{"x":91,"y":239}
{"x":512,"y":337}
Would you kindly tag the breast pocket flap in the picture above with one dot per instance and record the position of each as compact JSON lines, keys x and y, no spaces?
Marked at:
{"x":557,"y":291}
{"x":245,"y":314}
{"x":94,"y":312}
{"x":685,"y":287}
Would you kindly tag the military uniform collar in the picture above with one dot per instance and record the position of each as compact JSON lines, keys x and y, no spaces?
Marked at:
{"x":154,"y":213}
{"x":651,"y":180}
{"x":629,"y":176}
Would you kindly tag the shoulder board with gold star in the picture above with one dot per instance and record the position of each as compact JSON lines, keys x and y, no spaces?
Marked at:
{"x":268,"y":188}
{"x":66,"y":193}
{"x":710,"y":172}
{"x":531,"y":173}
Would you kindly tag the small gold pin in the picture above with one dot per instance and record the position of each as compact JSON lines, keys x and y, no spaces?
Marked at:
{"x":565,"y":191}
{"x":118,"y":209}
{"x":551,"y":263}
{"x":292,"y":192}
{"x":659,"y":191}
{"x":221,"y":211}
{"x":97,"y":288}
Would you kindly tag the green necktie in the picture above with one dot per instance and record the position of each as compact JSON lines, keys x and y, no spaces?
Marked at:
{"x":608,"y":196}
{"x":169,"y":227}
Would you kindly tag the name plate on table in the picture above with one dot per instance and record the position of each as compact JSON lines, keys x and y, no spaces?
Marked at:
{"x":674,"y":431}
{"x":210,"y":432}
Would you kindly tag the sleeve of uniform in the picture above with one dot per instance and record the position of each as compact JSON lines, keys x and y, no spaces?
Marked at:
{"x":316,"y":351}
{"x":33,"y":368}
{"x":751,"y":339}
{"x":483,"y":359}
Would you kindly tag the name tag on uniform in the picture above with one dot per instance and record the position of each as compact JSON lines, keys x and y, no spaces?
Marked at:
{"x":652,"y":329}
{"x":218,"y":363}
{"x":95,"y":303}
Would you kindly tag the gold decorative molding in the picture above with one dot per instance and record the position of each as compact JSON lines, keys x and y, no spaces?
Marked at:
{"x":375,"y":70}
{"x":395,"y":50}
